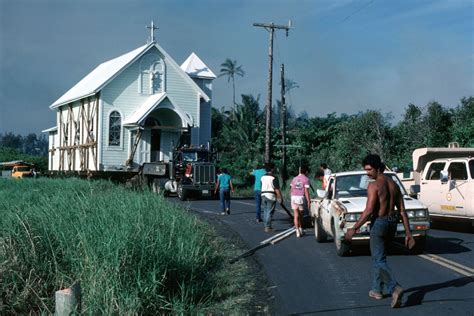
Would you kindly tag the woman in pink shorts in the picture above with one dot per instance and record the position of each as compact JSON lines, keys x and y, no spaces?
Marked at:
{"x":299,"y":195}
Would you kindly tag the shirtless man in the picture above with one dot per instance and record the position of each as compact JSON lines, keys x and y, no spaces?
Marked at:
{"x":384,"y":207}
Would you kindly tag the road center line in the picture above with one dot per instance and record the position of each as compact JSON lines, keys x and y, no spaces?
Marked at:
{"x":457,"y":267}
{"x":454,"y":266}
{"x":253,"y":204}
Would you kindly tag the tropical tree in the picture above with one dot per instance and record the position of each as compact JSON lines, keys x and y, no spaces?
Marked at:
{"x":463,"y":123}
{"x":438,"y":121}
{"x":230,"y":69}
{"x":410,"y":133}
{"x":290,"y":85}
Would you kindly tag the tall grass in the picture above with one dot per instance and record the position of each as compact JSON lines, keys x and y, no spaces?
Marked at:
{"x":133,"y":252}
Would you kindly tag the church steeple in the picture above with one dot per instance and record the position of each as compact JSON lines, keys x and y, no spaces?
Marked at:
{"x":152,"y":29}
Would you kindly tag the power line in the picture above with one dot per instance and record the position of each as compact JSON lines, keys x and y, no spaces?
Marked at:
{"x":355,"y":12}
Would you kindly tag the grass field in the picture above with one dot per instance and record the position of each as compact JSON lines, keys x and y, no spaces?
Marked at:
{"x":133,"y":252}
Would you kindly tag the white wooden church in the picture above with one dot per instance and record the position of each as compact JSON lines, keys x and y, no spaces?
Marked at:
{"x":130,"y":110}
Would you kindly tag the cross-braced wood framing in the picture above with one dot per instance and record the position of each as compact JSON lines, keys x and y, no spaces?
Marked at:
{"x":129,"y":161}
{"x":77,"y":136}
{"x":88,"y":145}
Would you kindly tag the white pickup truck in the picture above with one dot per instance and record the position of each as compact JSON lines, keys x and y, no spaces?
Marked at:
{"x":444,"y":181}
{"x":340,"y":206}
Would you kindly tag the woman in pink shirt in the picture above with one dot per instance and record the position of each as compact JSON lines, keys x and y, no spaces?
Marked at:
{"x":299,"y":191}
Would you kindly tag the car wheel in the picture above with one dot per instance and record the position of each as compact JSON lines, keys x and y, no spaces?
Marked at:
{"x":182,"y":193}
{"x":420,"y":244}
{"x":319,"y":232}
{"x":342,"y":248}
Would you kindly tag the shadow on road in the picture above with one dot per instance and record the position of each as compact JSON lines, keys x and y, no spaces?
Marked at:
{"x":436,"y":245}
{"x":455,"y":226}
{"x":418,"y":293}
{"x":416,"y":297}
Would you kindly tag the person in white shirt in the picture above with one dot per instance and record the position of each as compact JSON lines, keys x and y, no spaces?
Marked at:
{"x":270,"y":194}
{"x":327,"y":173}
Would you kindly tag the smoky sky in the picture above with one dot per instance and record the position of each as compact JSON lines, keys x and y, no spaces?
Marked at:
{"x":345,"y":56}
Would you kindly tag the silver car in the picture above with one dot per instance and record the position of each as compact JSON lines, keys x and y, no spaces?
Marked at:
{"x":338,"y":208}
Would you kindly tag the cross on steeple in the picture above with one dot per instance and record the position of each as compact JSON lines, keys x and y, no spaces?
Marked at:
{"x":152,"y":29}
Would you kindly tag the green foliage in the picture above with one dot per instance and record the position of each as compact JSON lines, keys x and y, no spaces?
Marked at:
{"x":358,"y":136}
{"x":241,"y":139}
{"x":10,"y":154}
{"x":30,"y":144}
{"x":438,"y":124}
{"x":463,"y":123}
{"x":340,"y":141}
{"x":133,"y":252}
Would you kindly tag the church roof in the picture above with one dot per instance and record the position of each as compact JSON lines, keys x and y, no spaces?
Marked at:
{"x":137,"y":117}
{"x":196,"y":68}
{"x":107,"y":71}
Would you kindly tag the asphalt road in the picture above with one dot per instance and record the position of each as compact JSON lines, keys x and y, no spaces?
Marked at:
{"x":308,"y":278}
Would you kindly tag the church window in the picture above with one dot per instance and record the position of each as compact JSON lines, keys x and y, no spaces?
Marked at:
{"x":115,"y":128}
{"x":151,"y":74}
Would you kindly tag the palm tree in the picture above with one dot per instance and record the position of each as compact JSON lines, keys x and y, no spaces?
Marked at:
{"x":230,"y":69}
{"x":290,"y":84}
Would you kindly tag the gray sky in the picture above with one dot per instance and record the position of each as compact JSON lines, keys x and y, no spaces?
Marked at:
{"x":346,"y":56}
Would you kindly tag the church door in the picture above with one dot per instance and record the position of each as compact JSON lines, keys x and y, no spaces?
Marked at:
{"x":145,"y":147}
{"x":155,"y":144}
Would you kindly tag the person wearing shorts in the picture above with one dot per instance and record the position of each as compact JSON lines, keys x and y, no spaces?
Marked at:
{"x":299,"y":195}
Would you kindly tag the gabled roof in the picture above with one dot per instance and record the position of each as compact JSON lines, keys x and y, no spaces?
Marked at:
{"x":105,"y":72}
{"x":140,"y":114}
{"x":99,"y":77}
{"x":196,"y":68}
{"x":50,"y":130}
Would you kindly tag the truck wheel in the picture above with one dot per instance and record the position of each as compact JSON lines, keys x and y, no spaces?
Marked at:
{"x":342,"y":248}
{"x":182,"y":193}
{"x":319,"y":232}
{"x":420,"y":244}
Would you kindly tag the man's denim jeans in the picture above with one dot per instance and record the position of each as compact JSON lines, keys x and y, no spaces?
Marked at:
{"x":258,"y":204}
{"x":381,"y":235}
{"x":268,"y":210}
{"x":224,"y":196}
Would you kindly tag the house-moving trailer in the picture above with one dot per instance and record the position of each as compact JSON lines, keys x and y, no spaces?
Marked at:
{"x":444,"y":181}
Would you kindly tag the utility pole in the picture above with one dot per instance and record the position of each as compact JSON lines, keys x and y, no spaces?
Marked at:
{"x":270,"y":27}
{"x":283,"y":171}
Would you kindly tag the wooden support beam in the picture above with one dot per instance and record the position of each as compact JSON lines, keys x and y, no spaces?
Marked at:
{"x":68,"y":301}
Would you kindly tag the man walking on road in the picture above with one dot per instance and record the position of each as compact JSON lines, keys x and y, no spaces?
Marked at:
{"x":270,"y":194}
{"x":224,"y":184}
{"x":257,"y":188}
{"x":384,"y":206}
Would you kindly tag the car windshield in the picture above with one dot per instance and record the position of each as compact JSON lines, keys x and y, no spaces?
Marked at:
{"x":23,"y":168}
{"x":195,"y":156}
{"x":356,"y":185}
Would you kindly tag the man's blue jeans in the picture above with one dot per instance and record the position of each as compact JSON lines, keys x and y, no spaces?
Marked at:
{"x":258,"y":204}
{"x":224,"y":196}
{"x":381,"y":235}
{"x":268,"y":210}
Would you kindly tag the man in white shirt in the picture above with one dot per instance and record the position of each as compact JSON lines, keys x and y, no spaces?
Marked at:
{"x":327,"y":173}
{"x":270,"y":194}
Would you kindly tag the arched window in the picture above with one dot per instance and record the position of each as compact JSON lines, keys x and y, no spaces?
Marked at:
{"x":115,"y":128}
{"x":152,"y":70}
